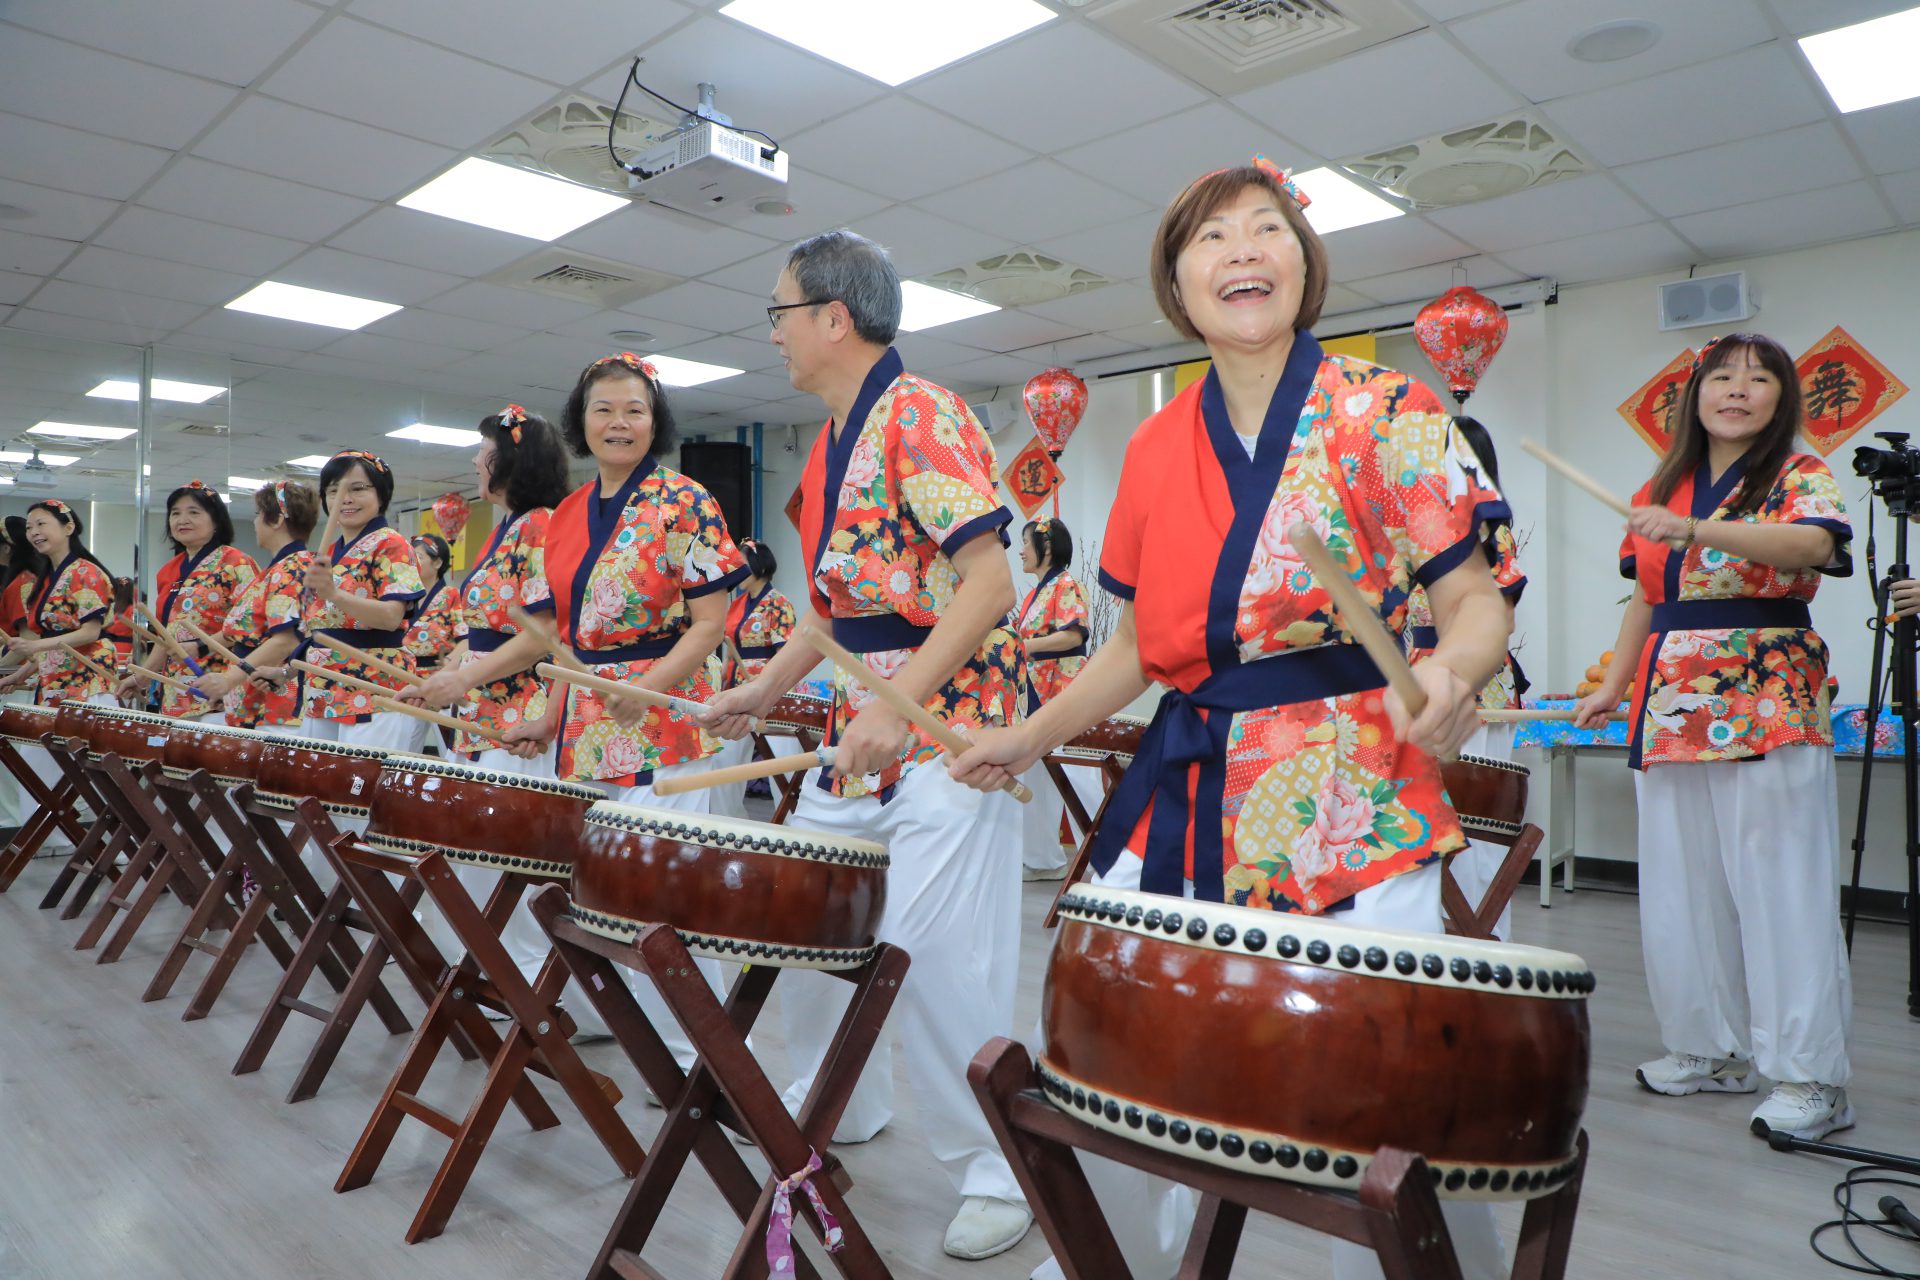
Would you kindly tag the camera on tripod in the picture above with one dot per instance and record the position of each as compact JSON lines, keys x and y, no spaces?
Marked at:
{"x":1891,"y":471}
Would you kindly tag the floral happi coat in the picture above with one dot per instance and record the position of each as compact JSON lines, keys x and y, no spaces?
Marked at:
{"x":377,"y":565}
{"x":1502,"y":693}
{"x":757,"y":626}
{"x":433,"y":630}
{"x":269,"y":606}
{"x":78,"y":592}
{"x":506,"y":576}
{"x":1057,"y":604}
{"x":202,"y":588}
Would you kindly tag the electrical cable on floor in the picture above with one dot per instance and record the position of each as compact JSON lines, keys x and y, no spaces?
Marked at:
{"x":1851,"y":1219}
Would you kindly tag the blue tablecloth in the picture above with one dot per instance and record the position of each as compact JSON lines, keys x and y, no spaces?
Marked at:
{"x":1849,"y":731}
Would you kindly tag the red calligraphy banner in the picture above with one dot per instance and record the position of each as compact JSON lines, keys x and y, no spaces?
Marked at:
{"x":1844,"y":387}
{"x":1649,"y":409}
{"x":1032,"y":476}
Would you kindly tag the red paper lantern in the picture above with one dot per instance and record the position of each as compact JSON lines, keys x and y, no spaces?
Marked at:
{"x":450,"y":510}
{"x":1461,"y":331}
{"x":1055,"y":400}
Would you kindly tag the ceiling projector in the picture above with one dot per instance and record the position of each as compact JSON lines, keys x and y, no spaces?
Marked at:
{"x":708,"y":168}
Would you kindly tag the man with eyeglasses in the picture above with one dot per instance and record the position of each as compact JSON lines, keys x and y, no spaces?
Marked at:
{"x":904,"y":539}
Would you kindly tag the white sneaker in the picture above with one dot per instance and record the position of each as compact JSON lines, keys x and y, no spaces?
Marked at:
{"x":986,"y":1226}
{"x":1808,"y":1111}
{"x":1044,"y":873}
{"x":1679,"y":1074}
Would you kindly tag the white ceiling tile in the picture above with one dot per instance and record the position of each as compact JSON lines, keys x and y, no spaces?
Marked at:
{"x":111,"y":269}
{"x":661,"y":239}
{"x":1422,"y":284}
{"x":417,"y":324}
{"x":490,"y":302}
{"x":729,"y":351}
{"x":1889,"y":136}
{"x":164,"y":235}
{"x":385,"y":349}
{"x":1393,"y":245}
{"x":925,"y":150}
{"x":34,"y":255}
{"x":240,"y":354}
{"x":427,"y":240}
{"x":1448,"y":10}
{"x":1003,"y":331}
{"x":1156,"y":161}
{"x":919,"y":242}
{"x":1119,"y":249}
{"x":1113,"y":307}
{"x":1033,"y":90}
{"x":994,"y":373}
{"x":1093,"y":346}
{"x":1733,"y":173}
{"x":58,"y":215}
{"x":1806,"y":17}
{"x":1299,"y":106}
{"x":241,"y":198}
{"x":1904,"y":190}
{"x":1753,"y":92}
{"x":54,"y":156}
{"x":1573,"y":206}
{"x":265,"y":331}
{"x":549,"y":40}
{"x":1034,"y":202}
{"x":15,"y":287}
{"x":85,"y":300}
{"x":1150,"y":336}
{"x":753,"y":275}
{"x":361,"y":72}
{"x":361,"y":277}
{"x":762,"y":83}
{"x":1786,"y":222}
{"x":555,"y":354}
{"x":926,"y":353}
{"x":1527,"y":43}
{"x":597,"y":330}
{"x":179,"y":34}
{"x":702,"y":305}
{"x":292,"y":142}
{"x":762,"y":388}
{"x":1605,"y":255}
{"x":1342,"y":298}
{"x":50,"y":79}
{"x":819,"y":204}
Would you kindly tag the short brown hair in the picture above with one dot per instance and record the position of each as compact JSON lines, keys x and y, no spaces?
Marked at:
{"x":1200,"y":201}
{"x":295,"y":504}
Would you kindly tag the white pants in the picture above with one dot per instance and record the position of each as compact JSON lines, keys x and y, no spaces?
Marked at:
{"x":525,"y":941}
{"x":388,"y":730}
{"x":1740,"y":912}
{"x":729,"y":801}
{"x":1151,"y":1217}
{"x":953,"y":903}
{"x":1475,"y":866}
{"x":644,"y":992}
{"x":417,"y":731}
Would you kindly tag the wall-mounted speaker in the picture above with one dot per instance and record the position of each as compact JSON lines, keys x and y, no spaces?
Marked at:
{"x":996,"y":415}
{"x":1718,"y":300}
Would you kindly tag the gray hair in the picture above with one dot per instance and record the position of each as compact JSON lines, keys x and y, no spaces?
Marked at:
{"x":840,"y":266}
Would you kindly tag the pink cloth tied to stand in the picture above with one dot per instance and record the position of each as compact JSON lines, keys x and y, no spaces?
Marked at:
{"x":780,"y":1223}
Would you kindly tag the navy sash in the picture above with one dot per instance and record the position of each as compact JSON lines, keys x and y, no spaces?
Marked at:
{"x":638,"y":652}
{"x":1721,"y":615}
{"x":1180,"y":737}
{"x":877,"y":632}
{"x":486,"y":639}
{"x":366,"y":639}
{"x":757,"y":651}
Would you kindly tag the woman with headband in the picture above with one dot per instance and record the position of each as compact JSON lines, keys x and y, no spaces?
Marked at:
{"x":358,"y":590}
{"x":69,"y":608}
{"x":433,"y":626}
{"x":201,"y":583}
{"x":1052,"y":624}
{"x":1332,"y":799}
{"x":263,"y":627}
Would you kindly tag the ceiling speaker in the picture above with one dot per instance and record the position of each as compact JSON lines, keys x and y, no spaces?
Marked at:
{"x":1717,"y":300}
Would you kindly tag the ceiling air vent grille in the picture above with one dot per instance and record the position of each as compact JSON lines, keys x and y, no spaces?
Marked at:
{"x":212,"y":429}
{"x":1019,"y":279}
{"x":580,"y":277}
{"x":1235,"y":45}
{"x":569,"y":140}
{"x":1468,"y":165}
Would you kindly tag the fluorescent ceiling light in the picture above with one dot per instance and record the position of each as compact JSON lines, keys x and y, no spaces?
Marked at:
{"x":923,"y":307}
{"x":427,"y":433}
{"x":312,"y":462}
{"x":676,"y":372}
{"x":81,"y":431}
{"x":1868,"y":64}
{"x":6,"y":479}
{"x":163,"y":389}
{"x":51,"y":459}
{"x":311,"y":306}
{"x":891,"y":40}
{"x":248,"y":483}
{"x":513,"y":200}
{"x":1340,"y":202}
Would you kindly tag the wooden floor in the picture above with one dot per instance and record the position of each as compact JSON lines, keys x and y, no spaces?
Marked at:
{"x":130,"y":1151}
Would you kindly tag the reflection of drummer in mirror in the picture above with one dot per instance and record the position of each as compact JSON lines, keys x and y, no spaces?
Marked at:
{"x":1334,"y":802}
{"x":1052,"y":623}
{"x":760,"y":619}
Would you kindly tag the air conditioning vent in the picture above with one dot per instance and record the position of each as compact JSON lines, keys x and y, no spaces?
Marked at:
{"x":569,"y":140}
{"x":1235,"y":45}
{"x":1468,"y":165}
{"x":209,"y":429}
{"x":580,"y":277}
{"x":1019,"y":279}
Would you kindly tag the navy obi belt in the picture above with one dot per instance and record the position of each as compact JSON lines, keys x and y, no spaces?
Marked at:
{"x":1180,"y":737}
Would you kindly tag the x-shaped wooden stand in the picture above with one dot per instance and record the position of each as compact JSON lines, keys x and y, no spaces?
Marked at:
{"x":726,"y":1087}
{"x":1395,"y":1213}
{"x":53,"y":811}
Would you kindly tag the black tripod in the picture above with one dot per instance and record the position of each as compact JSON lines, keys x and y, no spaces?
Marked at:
{"x":1894,"y":485}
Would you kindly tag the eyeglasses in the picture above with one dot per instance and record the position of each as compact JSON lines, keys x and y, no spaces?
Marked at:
{"x":773,"y":313}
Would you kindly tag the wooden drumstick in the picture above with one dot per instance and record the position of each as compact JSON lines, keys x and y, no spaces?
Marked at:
{"x":1534,"y":715}
{"x":622,"y":689}
{"x":99,"y":670}
{"x":381,"y":665}
{"x":745,"y":772}
{"x":1581,"y":480}
{"x":384,"y":699}
{"x":212,"y":644}
{"x":162,"y":635}
{"x":1358,"y":617}
{"x":899,"y":703}
{"x":151,"y":674}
